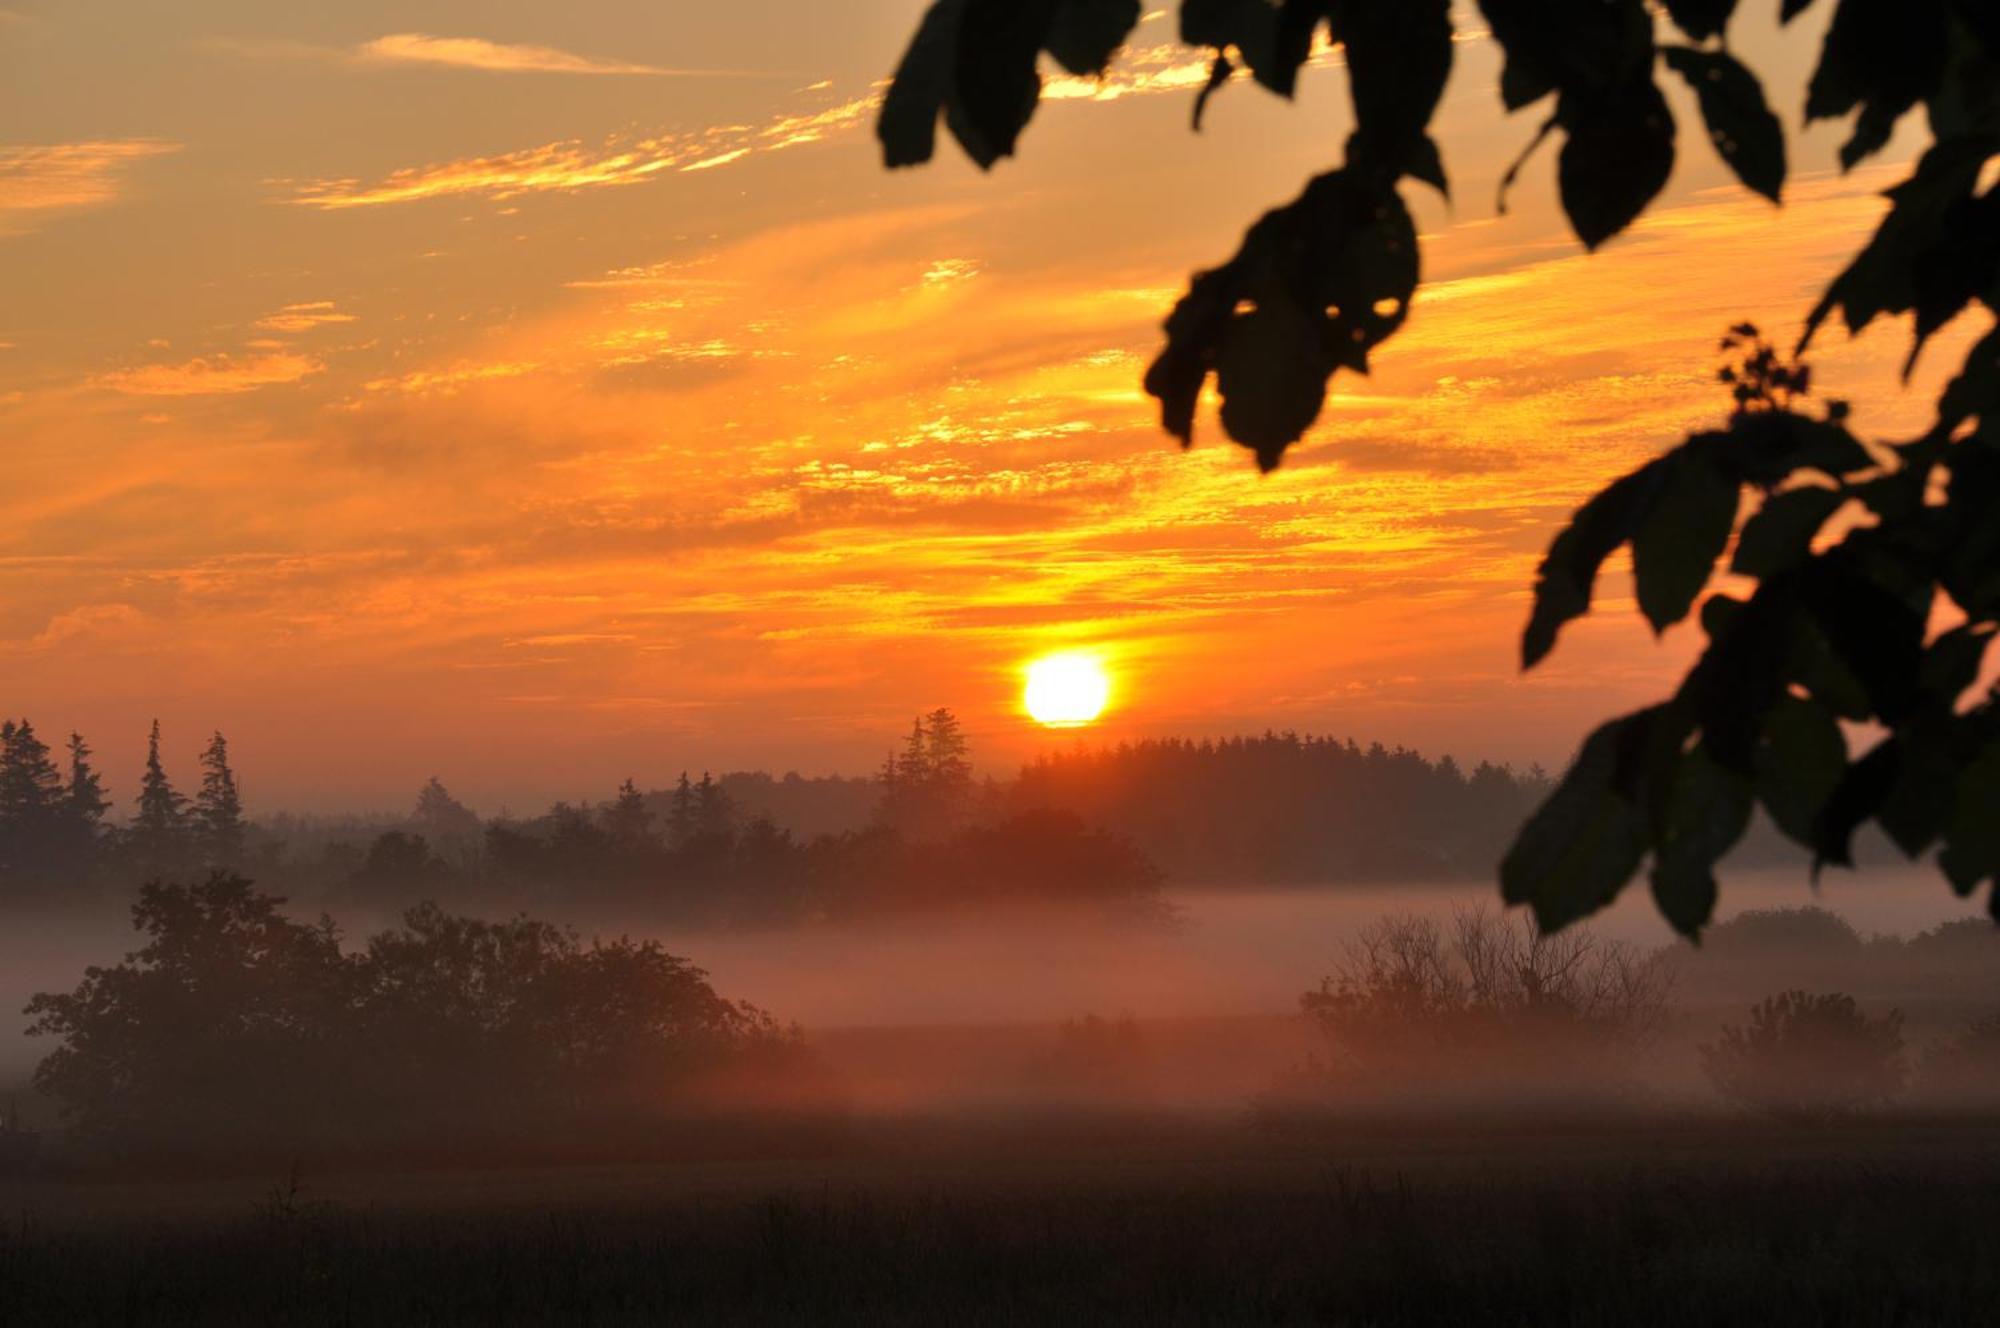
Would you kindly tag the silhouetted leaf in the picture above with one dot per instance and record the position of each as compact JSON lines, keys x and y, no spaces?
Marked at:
{"x":1742,"y":674}
{"x":1780,"y":535}
{"x":1707,"y":810}
{"x":1581,"y":846}
{"x":1771,"y":444}
{"x":1616,"y":159}
{"x":1571,"y":46}
{"x":1799,"y":764}
{"x":1971,"y":528}
{"x":1952,"y":662}
{"x":1855,"y":798}
{"x":1883,"y":57}
{"x":1874,"y":631}
{"x":1701,"y":19}
{"x":907,"y":127}
{"x":1085,"y":34}
{"x":995,"y":82}
{"x":1813,"y":665}
{"x":1398,"y":58}
{"x":1909,"y":261}
{"x":1335,"y":270}
{"x":1976,"y":389}
{"x":1684,"y":530}
{"x":1740,"y":124}
{"x":1972,"y":840}
{"x":1272,"y":375}
{"x":1568,"y":573}
{"x":1917,"y":805}
{"x":1251,"y":26}
{"x":1791,"y":9}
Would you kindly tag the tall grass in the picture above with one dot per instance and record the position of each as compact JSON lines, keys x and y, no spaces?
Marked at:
{"x":1744,"y":1242}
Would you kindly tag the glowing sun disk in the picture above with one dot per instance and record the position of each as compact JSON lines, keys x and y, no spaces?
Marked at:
{"x":1066,"y":690}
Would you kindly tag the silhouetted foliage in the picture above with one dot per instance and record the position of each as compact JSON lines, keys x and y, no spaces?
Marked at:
{"x":235,"y":1025}
{"x":1423,"y":1014}
{"x":1806,"y":1057}
{"x":1287,"y":809}
{"x":1831,"y":633}
{"x":1963,"y":1070}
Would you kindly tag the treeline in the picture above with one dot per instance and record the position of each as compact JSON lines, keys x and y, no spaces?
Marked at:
{"x":57,"y":843}
{"x":1102,"y":828}
{"x":1282,"y":808}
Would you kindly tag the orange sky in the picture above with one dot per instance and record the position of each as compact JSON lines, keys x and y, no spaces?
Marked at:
{"x":536,"y":395}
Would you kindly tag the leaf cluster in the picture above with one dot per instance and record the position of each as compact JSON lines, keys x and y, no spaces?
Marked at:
{"x":1854,"y":550}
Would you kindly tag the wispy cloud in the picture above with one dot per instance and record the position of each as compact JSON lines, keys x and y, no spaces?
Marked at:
{"x":498,"y":57}
{"x":625,"y":159}
{"x":304,"y":317}
{"x":573,"y":165}
{"x":36,"y":180}
{"x":217,"y":375}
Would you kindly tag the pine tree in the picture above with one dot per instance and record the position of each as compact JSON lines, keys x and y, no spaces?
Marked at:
{"x":159,"y":831}
{"x":218,"y":808}
{"x":30,"y":784}
{"x":442,"y":816}
{"x":628,"y":821}
{"x":913,"y":767}
{"x":680,"y":814}
{"x":30,"y":807}
{"x":945,"y":763}
{"x":711,"y":808}
{"x":84,"y":797}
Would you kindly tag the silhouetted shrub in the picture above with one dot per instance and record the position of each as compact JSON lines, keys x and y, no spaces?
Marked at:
{"x":1964,"y":1069}
{"x":1094,"y":1056}
{"x":236,"y":1026}
{"x":1487,"y":1007}
{"x":1762,"y":930}
{"x":1809,"y":1057}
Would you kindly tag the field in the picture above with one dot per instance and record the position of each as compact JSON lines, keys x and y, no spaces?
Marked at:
{"x":1080,"y":1219}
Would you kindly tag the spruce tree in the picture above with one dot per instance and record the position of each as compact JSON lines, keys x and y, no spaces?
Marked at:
{"x":84,"y":797}
{"x":30,"y":784}
{"x":627,"y":820}
{"x":950,"y":773}
{"x":159,"y":831}
{"x":30,"y":807}
{"x":218,"y":808}
{"x":681,"y":814}
{"x":83,"y":808}
{"x":711,"y":808}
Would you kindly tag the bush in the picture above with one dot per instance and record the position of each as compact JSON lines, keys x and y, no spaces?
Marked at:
{"x":1964,"y":1070}
{"x":1807,"y":1057}
{"x":236,"y":1027}
{"x":1489,"y":1007}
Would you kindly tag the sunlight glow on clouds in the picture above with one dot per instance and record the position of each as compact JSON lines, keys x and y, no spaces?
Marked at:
{"x":216,"y":375}
{"x":494,"y":57}
{"x":63,"y":176}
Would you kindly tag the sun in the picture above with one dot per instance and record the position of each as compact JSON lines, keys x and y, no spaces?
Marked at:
{"x":1066,"y":690}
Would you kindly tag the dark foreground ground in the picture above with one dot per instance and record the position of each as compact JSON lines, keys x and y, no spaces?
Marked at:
{"x":1128,"y":1221}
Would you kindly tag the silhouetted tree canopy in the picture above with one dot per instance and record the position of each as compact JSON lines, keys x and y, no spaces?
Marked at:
{"x":233,"y":1025}
{"x":1836,"y":630}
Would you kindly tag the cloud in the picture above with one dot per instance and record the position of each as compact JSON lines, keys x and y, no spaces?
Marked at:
{"x":57,"y":177}
{"x":218,"y":375}
{"x":496,"y":57}
{"x":304,"y":317}
{"x":624,"y":159}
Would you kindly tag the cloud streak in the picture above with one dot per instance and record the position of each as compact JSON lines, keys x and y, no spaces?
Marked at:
{"x":625,"y":159}
{"x":38,"y":180}
{"x":217,"y":375}
{"x":420,"y":48}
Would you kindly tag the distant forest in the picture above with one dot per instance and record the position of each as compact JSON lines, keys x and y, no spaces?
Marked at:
{"x":1103,"y":829}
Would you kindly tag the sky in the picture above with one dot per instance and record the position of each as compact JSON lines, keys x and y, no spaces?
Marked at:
{"x":540,"y":395}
